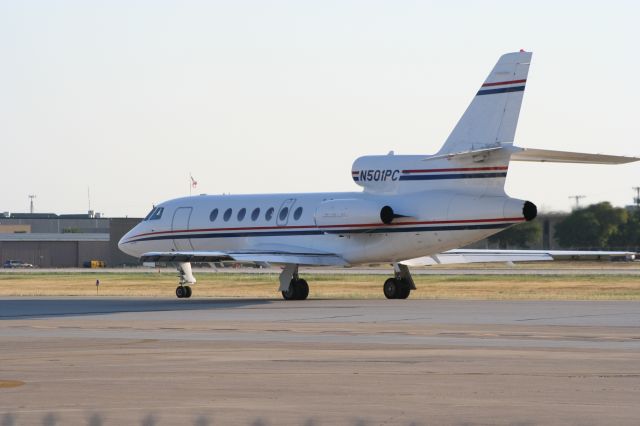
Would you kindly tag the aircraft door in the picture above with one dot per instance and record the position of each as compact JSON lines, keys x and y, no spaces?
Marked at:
{"x":283,"y":213}
{"x":180,"y":222}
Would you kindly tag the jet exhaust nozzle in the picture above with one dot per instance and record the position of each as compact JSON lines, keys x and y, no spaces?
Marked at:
{"x":529,"y":211}
{"x":386,"y":215}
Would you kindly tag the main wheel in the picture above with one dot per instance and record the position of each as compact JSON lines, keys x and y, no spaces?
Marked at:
{"x":404,"y":289}
{"x":290,"y":293}
{"x":390,"y":288}
{"x":298,"y":290}
{"x":303,"y":290}
{"x":188,"y":291}
{"x":181,"y":292}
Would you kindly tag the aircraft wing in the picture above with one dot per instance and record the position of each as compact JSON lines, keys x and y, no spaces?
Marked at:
{"x":298,"y":257}
{"x":481,"y":256}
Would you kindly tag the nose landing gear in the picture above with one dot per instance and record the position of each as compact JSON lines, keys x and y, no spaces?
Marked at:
{"x":183,"y":291}
{"x":186,"y":277}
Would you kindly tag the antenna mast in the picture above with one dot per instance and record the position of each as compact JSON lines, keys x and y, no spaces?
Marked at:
{"x":577,"y":198}
{"x":31,"y":197}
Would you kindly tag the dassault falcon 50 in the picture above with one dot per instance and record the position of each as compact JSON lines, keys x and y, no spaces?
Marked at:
{"x":411,"y":206}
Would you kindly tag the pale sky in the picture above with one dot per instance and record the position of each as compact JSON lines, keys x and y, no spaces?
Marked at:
{"x":129,"y":97}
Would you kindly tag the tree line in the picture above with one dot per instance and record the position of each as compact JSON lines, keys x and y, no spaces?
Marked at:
{"x":596,"y":227}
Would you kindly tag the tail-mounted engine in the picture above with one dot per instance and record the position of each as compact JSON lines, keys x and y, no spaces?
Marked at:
{"x":339,"y":212}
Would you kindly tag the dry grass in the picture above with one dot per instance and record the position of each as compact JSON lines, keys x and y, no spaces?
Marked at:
{"x":162,"y":284}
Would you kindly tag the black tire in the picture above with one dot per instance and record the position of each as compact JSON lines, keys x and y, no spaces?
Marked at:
{"x":181,"y":292}
{"x":298,"y":290}
{"x":302,"y":290}
{"x":290,"y":294}
{"x":390,"y":288}
{"x":404,"y":289}
{"x":188,"y":291}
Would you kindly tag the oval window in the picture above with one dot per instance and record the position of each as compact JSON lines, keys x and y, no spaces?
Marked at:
{"x":297,"y":213}
{"x":227,"y":215}
{"x":241,"y":213}
{"x":269,"y":214}
{"x":214,"y":215}
{"x":283,"y":213}
{"x":255,"y":213}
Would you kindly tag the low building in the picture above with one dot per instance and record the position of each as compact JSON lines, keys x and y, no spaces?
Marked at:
{"x":57,"y":241}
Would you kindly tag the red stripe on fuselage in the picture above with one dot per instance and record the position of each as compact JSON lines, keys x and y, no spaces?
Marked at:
{"x":504,"y":83}
{"x":461,"y":169}
{"x":358,"y":225}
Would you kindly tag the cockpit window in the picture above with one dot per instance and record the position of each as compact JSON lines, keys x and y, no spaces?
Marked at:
{"x":157,"y":214}
{"x":150,"y":213}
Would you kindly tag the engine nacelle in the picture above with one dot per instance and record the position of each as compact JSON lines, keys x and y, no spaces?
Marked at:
{"x":351,"y":211}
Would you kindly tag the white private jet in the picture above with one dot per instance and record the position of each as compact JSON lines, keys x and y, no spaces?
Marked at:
{"x":412,"y":206}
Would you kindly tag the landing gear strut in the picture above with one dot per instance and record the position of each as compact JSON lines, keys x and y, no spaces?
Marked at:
{"x":400,"y":286}
{"x":292,"y":286}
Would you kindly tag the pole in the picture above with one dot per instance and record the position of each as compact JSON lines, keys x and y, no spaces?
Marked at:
{"x":31,"y":197}
{"x":577,"y":198}
{"x":637,"y":199}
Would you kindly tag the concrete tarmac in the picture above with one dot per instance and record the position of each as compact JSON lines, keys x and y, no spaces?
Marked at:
{"x":148,"y":361}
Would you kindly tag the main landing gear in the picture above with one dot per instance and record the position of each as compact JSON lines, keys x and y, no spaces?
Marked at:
{"x":298,"y":290}
{"x":186,"y":277}
{"x":293,"y":287}
{"x":400,"y":286}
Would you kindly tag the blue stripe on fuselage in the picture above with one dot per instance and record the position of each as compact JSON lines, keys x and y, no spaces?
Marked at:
{"x":453,"y":176}
{"x":500,"y":90}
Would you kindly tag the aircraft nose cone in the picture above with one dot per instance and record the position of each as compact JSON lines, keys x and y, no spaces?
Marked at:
{"x":123,"y":244}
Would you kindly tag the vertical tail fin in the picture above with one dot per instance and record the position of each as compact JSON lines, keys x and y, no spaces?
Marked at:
{"x":492,"y":116}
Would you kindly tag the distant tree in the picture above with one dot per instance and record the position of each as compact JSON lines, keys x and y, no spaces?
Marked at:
{"x":591,"y":227}
{"x":519,"y":236}
{"x":627,"y":236}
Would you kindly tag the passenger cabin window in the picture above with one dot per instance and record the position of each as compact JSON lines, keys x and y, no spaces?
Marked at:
{"x":269,"y":214}
{"x":241,"y":213}
{"x":297,"y":213}
{"x":157,"y":214}
{"x":214,"y":214}
{"x":283,"y":213}
{"x":255,"y":213}
{"x":227,"y":215}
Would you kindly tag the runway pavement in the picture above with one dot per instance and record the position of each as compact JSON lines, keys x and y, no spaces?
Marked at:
{"x":317,"y":362}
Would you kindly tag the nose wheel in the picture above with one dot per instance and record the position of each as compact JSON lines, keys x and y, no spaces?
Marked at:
{"x":183,"y":291}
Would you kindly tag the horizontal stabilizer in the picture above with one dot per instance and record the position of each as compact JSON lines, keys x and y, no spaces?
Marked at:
{"x":545,"y":155}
